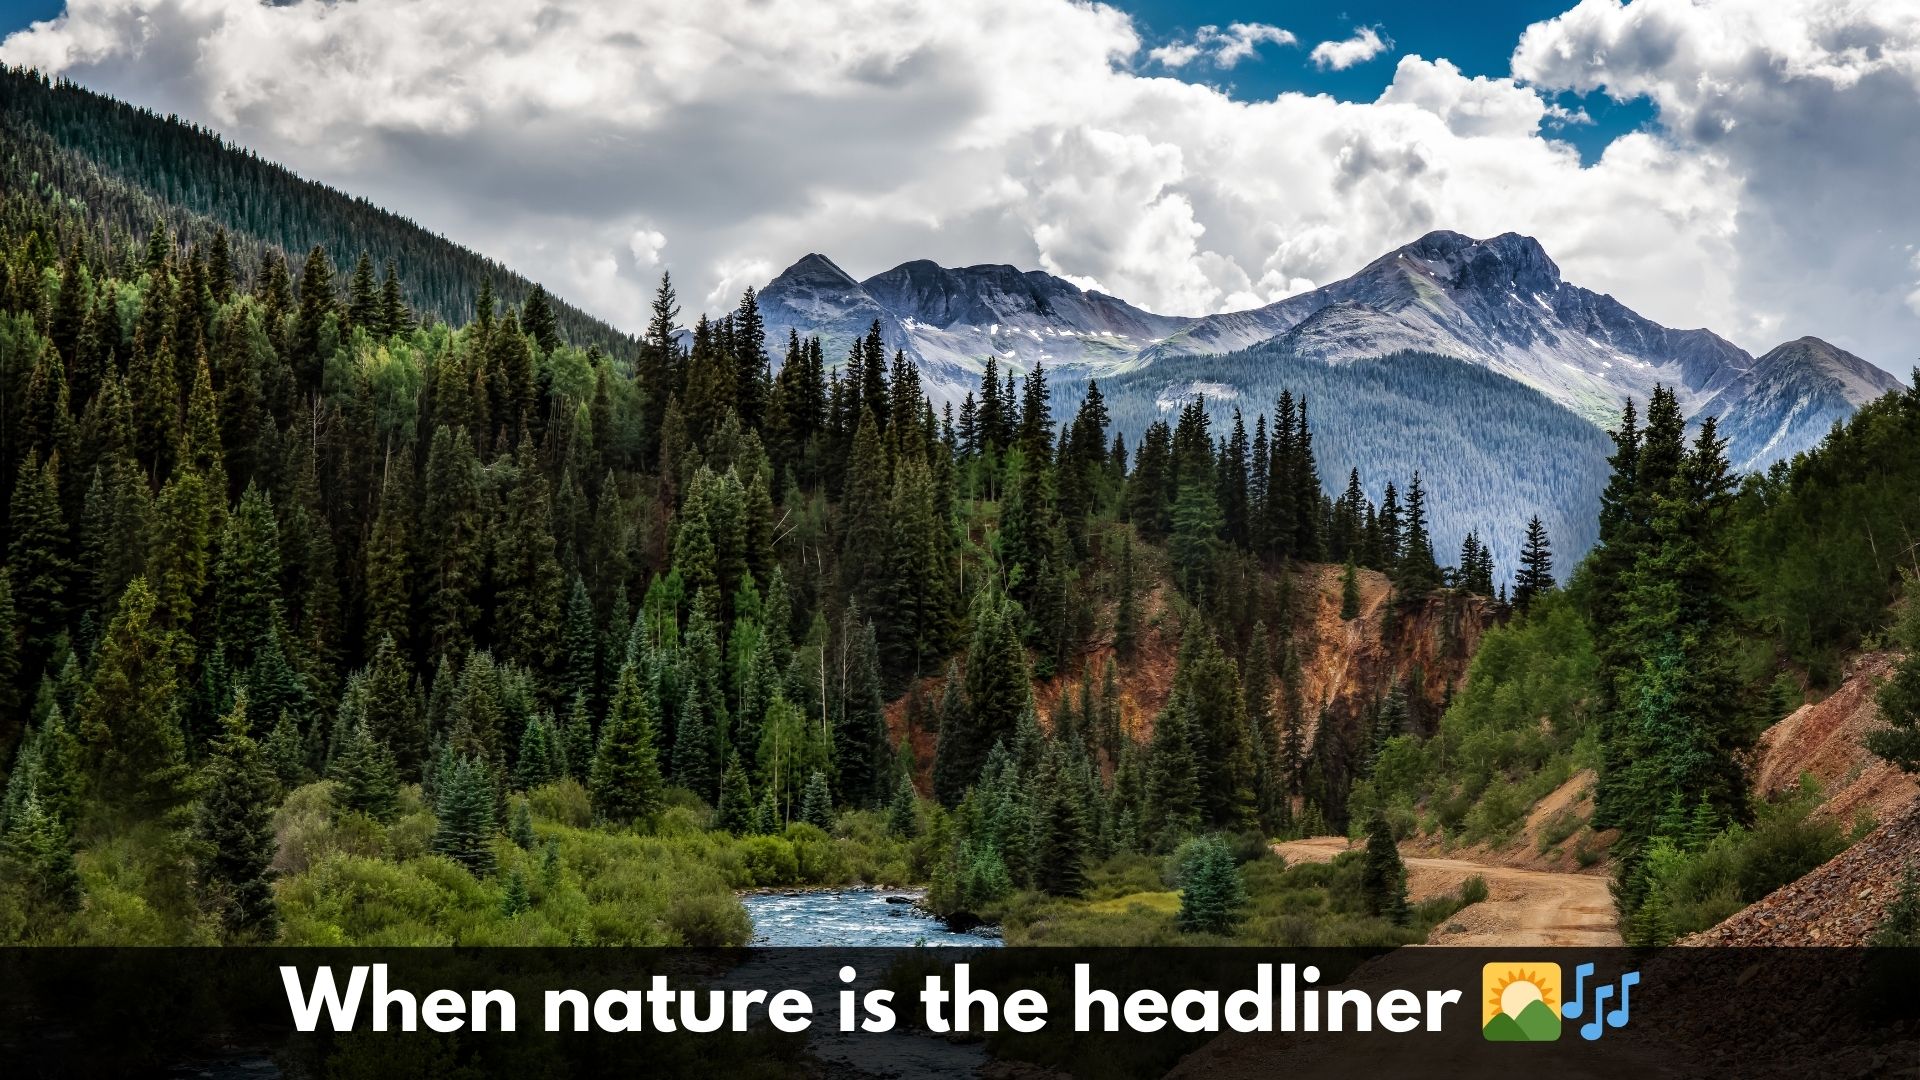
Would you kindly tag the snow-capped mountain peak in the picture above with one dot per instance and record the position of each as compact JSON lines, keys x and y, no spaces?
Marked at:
{"x":1500,"y":303}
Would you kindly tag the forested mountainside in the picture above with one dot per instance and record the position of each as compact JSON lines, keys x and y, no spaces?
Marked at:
{"x":129,"y":167}
{"x":1711,"y":608}
{"x":1470,"y":360}
{"x":323,"y":622}
{"x":1491,"y":452}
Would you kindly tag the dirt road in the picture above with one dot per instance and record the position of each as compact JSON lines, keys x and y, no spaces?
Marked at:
{"x":1523,"y":907}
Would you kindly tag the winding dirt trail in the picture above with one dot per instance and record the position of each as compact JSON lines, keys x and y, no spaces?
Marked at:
{"x":1523,"y":907}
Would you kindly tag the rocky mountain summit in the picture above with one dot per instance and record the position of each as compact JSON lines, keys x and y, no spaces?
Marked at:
{"x":1499,"y":303}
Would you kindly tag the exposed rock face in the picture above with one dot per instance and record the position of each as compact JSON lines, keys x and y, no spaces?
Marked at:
{"x":1346,"y":665}
{"x":1839,"y":904}
{"x":1791,"y":397}
{"x":1827,"y":739}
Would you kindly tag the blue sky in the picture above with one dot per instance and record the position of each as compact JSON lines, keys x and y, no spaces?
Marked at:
{"x":15,"y":14}
{"x":1479,"y":41}
{"x":1478,"y":38}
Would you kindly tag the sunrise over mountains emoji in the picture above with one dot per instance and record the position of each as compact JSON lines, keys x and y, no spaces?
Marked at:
{"x":1520,"y":1002}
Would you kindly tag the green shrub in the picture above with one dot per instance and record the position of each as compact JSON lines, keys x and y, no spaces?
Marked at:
{"x":680,"y":821}
{"x":1473,"y":890}
{"x":1518,"y":728}
{"x":821,"y":862}
{"x":769,"y":860}
{"x":562,"y":802}
{"x":1687,"y":890}
{"x":704,"y":919}
{"x":1558,"y":828}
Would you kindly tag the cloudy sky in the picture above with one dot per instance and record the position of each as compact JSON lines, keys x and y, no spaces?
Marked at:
{"x":1748,"y":165}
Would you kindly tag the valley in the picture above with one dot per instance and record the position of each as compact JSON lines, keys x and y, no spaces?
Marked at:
{"x":359,"y":592}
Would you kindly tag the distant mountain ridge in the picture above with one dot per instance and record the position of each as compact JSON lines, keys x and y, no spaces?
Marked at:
{"x":1500,"y":303}
{"x":132,"y":167}
{"x":951,"y":319}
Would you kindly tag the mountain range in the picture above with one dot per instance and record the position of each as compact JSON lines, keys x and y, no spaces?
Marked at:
{"x":1497,"y":303}
{"x":1469,"y":361}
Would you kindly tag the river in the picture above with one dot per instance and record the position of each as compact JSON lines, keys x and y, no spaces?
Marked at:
{"x":788,"y":923}
{"x":851,"y":918}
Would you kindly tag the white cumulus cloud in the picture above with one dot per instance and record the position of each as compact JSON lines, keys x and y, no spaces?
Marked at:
{"x":1365,"y":44}
{"x":1814,"y":108}
{"x":645,"y":244}
{"x":1225,"y":48}
{"x":589,"y":143}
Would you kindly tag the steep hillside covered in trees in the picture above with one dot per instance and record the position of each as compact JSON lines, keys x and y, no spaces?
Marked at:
{"x":127,"y":167}
{"x":1491,"y":451}
{"x":321,"y":621}
{"x":1712,"y":608}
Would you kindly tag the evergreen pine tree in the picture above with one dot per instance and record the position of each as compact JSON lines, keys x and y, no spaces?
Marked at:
{"x":392,"y":709}
{"x":393,"y":308}
{"x":860,"y":733}
{"x":766,"y":816}
{"x":1060,"y":843}
{"x":1196,"y":531}
{"x":1172,"y":808}
{"x":659,"y":356}
{"x":364,"y":773}
{"x":128,"y":717}
{"x":540,"y":758}
{"x":816,"y":806}
{"x":233,"y":831}
{"x":284,"y":753}
{"x":515,"y":900}
{"x":39,"y":850}
{"x":520,"y":826}
{"x":694,"y":745}
{"x":538,"y":321}
{"x":1212,"y":892}
{"x":1417,"y":573}
{"x":1536,"y":566}
{"x":903,"y":813}
{"x":247,"y":577}
{"x":363,"y":297}
{"x":464,"y":805}
{"x":1383,"y":878}
{"x":996,"y":691}
{"x":37,"y":555}
{"x":625,"y":783}
{"x":579,"y":647}
{"x":735,"y":812}
{"x":390,"y":558}
{"x":456,"y":560}
{"x":526,"y":576}
{"x":577,"y":740}
{"x":317,"y":323}
{"x":864,"y":530}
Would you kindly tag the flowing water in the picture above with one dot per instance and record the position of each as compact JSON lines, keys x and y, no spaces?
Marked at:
{"x":851,"y":918}
{"x":789,"y":924}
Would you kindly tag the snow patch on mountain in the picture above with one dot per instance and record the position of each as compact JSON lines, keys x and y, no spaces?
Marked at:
{"x":1499,"y":303}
